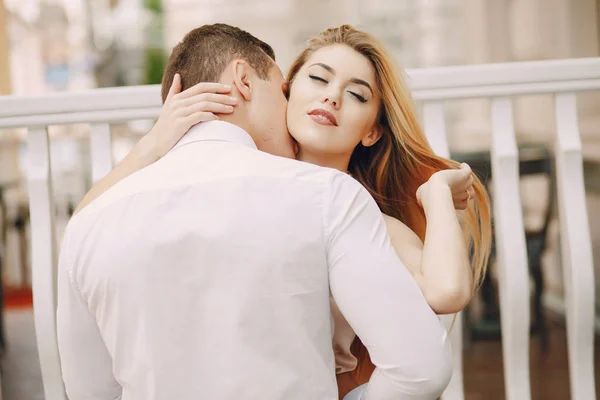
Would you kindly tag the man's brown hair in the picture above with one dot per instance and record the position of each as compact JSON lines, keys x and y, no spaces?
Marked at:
{"x":204,"y":53}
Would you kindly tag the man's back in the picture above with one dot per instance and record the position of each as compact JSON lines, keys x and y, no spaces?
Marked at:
{"x":207,"y":276}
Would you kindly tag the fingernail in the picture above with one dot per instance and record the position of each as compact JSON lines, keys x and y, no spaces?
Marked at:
{"x":233,"y":100}
{"x":229,"y":108}
{"x":227,"y":87}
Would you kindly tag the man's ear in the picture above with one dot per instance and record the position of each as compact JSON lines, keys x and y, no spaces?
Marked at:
{"x":372,"y":137}
{"x":241,"y":78}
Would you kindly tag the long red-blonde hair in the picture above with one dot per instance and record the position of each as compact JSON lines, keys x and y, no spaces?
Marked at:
{"x":393,"y":169}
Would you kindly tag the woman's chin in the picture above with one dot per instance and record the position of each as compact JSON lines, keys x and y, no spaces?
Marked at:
{"x":311,"y":140}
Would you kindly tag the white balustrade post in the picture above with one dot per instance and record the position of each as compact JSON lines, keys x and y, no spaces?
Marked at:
{"x":434,"y":124}
{"x":44,"y":260}
{"x":511,"y":251}
{"x":577,"y":261}
{"x":101,"y":150}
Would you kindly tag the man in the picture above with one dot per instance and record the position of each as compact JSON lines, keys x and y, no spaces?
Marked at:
{"x":207,"y":275}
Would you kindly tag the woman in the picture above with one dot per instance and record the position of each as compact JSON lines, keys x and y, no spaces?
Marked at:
{"x":348,"y":109}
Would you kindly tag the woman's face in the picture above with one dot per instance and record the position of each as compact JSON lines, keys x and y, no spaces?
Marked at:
{"x":333,"y":106}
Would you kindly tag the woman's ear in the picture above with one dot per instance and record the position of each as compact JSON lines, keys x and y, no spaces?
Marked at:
{"x":285,"y":88}
{"x":372,"y":137}
{"x":241,"y":78}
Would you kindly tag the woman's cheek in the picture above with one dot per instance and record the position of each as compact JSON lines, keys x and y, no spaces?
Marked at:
{"x":292,"y":112}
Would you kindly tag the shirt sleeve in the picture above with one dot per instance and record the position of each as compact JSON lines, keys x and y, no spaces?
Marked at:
{"x":381,"y":301}
{"x":85,"y":362}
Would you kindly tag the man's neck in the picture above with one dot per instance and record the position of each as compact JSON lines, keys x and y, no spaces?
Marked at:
{"x":221,"y":131}
{"x":237,"y":121}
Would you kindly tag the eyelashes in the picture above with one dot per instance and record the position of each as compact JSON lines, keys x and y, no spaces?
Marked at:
{"x":359,"y":97}
{"x":356,"y":95}
{"x":316,"y":78}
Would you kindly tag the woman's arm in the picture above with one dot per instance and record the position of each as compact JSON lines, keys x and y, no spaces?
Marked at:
{"x":140,"y":156}
{"x":441,"y":264}
{"x":181,"y":111}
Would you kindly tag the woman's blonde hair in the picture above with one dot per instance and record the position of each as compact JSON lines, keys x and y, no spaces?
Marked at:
{"x":393,"y":169}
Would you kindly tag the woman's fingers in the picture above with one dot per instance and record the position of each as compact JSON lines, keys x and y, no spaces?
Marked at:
{"x":208,"y":106}
{"x":466,"y":168}
{"x":198,"y":117}
{"x":471,"y":192}
{"x":462,"y":205}
{"x":204,"y":87}
{"x":461,"y":200}
{"x":461,"y":184}
{"x":463,"y":181}
{"x":462,"y":196}
{"x":208,"y":97}
{"x":175,"y":87}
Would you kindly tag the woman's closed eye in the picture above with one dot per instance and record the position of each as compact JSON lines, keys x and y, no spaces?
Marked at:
{"x":322,"y":80}
{"x":317,"y":78}
{"x":358,"y":96}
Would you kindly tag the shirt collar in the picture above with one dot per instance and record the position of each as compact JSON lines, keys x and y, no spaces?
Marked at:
{"x":216,"y":131}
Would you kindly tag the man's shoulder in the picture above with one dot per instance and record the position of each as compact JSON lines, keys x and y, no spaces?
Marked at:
{"x":332,"y":179}
{"x":293,"y":169}
{"x":121,"y":190}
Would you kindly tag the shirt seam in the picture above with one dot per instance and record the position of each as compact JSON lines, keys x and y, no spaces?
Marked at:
{"x":70,"y":273}
{"x":325,"y":214}
{"x":204,"y":140}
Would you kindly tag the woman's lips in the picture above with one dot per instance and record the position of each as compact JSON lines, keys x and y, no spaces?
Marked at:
{"x":323,"y":117}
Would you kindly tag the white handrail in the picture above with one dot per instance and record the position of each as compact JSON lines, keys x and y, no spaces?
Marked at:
{"x":141,"y":102}
{"x":108,"y":116}
{"x":122,"y":98}
{"x":512,"y":73}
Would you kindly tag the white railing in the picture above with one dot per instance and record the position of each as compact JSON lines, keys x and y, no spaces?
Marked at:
{"x":498,"y":82}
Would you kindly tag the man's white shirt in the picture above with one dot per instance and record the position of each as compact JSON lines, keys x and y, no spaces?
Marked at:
{"x":207,"y":275}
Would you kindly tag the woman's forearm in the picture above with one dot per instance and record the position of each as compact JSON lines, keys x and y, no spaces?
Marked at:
{"x":141,"y":156}
{"x":180,"y":111}
{"x":445,"y":262}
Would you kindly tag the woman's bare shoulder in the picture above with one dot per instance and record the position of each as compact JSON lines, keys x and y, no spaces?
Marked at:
{"x":399,"y":231}
{"x":394,"y":225}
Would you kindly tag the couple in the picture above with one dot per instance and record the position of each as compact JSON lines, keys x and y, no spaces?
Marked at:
{"x":209,"y":264}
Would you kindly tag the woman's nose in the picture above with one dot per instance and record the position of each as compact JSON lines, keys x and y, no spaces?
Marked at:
{"x":332,"y":99}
